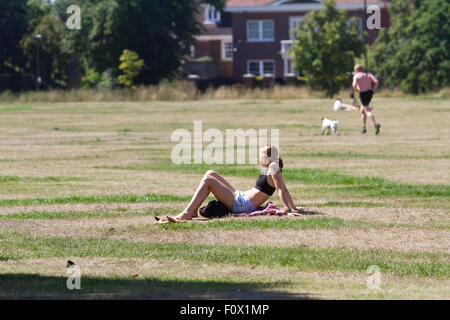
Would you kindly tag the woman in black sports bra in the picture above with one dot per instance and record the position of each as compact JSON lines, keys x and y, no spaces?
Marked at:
{"x":237,"y":201}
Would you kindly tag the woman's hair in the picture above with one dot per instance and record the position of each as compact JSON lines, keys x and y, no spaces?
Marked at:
{"x":271,"y":152}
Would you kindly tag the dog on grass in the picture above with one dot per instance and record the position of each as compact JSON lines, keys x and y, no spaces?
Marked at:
{"x":328,"y":125}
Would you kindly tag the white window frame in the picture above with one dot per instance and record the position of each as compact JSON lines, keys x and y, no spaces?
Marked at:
{"x":292,"y":21}
{"x":286,"y":70}
{"x":260,"y":31}
{"x":208,"y":9}
{"x":284,"y":44}
{"x":261,"y":66}
{"x":224,"y":57}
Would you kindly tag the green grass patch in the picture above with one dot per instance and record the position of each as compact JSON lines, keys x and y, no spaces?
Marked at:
{"x":366,"y":186}
{"x":44,"y":215}
{"x":82,"y":142}
{"x":347,"y":204}
{"x":352,"y":155}
{"x":399,"y":190}
{"x":16,"y":108}
{"x":126,"y":130}
{"x":150,"y":150}
{"x":96,"y":199}
{"x":298,"y":126}
{"x":222,"y":224}
{"x":23,"y":246}
{"x":39,"y":179}
{"x":281,"y":223}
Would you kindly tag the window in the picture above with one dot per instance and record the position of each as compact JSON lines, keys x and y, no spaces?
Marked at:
{"x":268,"y":67}
{"x":260,"y":30}
{"x":192,"y":51}
{"x":253,"y":67}
{"x":261,"y":67}
{"x":267,"y":29}
{"x":294,"y":24}
{"x":227,"y":50}
{"x":211,"y":14}
{"x":253,"y":30}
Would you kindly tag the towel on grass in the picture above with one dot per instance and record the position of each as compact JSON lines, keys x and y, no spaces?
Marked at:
{"x":269,"y":209}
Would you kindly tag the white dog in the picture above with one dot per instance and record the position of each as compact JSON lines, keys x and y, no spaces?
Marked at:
{"x":328,"y":124}
{"x":338,"y":105}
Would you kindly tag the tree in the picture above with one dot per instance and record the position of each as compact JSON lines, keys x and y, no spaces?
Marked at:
{"x":42,"y":20}
{"x":325,"y":48}
{"x":131,"y":66}
{"x":13,"y":25}
{"x":414,"y":53}
{"x":160,"y":32}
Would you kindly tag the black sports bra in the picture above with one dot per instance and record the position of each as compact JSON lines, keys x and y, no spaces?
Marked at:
{"x":263,"y":185}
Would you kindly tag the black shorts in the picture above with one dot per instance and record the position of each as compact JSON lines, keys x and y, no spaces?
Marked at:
{"x":365,"y":97}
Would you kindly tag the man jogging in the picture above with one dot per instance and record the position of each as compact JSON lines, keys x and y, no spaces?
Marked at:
{"x":365,"y":83}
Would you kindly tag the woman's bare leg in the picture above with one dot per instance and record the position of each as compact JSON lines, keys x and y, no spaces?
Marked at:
{"x":208,"y":184}
{"x":221,"y":179}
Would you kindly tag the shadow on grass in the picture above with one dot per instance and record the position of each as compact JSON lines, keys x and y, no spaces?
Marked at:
{"x":308,"y":212}
{"x":32,"y":286}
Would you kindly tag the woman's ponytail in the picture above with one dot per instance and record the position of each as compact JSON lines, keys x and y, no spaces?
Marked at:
{"x":271,"y":150}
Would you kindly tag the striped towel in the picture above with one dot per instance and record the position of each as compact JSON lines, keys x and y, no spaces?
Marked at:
{"x":269,"y":209}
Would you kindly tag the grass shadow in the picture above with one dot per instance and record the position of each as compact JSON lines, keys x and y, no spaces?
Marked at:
{"x":33,"y":286}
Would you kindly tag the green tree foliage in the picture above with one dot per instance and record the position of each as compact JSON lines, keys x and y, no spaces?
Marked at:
{"x":96,"y":80}
{"x":13,"y":25}
{"x":131,"y":66}
{"x":160,"y":32}
{"x":414,"y":52}
{"x":326,"y":46}
{"x":53,"y":61}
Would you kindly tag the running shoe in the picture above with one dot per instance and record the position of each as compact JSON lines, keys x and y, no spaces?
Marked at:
{"x":377,"y":128}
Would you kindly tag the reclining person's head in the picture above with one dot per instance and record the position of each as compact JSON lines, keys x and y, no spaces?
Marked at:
{"x":269,"y":154}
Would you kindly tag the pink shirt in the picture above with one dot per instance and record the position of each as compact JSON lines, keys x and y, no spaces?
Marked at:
{"x":363,"y":81}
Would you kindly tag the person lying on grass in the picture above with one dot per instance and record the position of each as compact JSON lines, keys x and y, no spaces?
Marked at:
{"x":237,"y":201}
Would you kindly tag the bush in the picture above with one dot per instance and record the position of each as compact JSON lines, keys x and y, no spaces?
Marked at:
{"x":94,"y":80}
{"x":131,"y":67}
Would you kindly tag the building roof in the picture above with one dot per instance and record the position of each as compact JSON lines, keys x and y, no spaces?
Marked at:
{"x":247,"y":3}
{"x":212,"y":29}
{"x":259,"y":3}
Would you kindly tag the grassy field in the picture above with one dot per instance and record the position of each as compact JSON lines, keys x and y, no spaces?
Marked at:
{"x":83,"y":181}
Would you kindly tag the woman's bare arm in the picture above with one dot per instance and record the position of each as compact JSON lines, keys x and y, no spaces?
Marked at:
{"x":283,"y":192}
